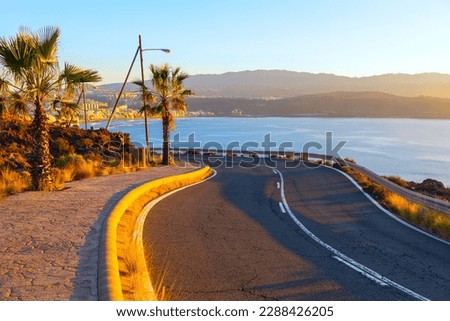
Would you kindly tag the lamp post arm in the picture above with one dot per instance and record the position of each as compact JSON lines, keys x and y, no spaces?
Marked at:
{"x":123,"y":87}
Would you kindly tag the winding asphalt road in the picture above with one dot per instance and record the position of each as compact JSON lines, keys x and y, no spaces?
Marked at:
{"x":288,"y":234}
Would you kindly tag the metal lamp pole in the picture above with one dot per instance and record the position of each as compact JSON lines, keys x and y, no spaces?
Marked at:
{"x":138,"y":50}
{"x":141,"y":50}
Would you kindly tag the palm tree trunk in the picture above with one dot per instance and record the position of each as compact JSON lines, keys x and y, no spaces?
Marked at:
{"x":166,"y":139}
{"x":40,"y":157}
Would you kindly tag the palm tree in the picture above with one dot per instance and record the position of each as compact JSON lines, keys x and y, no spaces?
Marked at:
{"x":31,"y":64}
{"x":170,"y":96}
{"x":75,"y":79}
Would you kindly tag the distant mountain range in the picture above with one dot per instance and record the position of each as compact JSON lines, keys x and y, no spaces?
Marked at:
{"x":337,"y":104}
{"x":282,"y":84}
{"x":277,"y":83}
{"x":279,"y":92}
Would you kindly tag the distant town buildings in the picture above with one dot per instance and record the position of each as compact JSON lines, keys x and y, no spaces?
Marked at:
{"x":95,"y":105}
{"x":100,"y":102}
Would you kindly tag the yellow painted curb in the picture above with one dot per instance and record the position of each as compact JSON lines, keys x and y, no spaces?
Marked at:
{"x":139,"y":197}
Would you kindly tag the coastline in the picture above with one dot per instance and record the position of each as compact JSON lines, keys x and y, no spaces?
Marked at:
{"x":406,"y":147}
{"x":277,"y":116}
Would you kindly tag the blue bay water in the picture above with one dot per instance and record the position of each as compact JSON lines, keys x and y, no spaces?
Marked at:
{"x":413,"y":149}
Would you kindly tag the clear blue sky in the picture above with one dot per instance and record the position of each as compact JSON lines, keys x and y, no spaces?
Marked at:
{"x":353,"y":38}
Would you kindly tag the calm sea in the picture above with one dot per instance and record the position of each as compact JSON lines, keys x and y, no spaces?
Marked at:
{"x":411,"y":148}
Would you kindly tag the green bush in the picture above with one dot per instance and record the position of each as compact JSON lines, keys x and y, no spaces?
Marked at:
{"x":64,"y":161}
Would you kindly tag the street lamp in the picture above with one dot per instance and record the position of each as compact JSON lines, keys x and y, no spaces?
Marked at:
{"x":141,"y":50}
{"x":160,"y":49}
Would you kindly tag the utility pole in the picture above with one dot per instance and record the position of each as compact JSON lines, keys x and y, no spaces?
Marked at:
{"x":84,"y":106}
{"x":144,"y":100}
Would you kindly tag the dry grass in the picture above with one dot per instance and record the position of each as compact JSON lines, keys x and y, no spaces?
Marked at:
{"x":401,"y":205}
{"x":76,"y":167}
{"x":397,"y":180}
{"x":67,"y":169}
{"x":12,"y":182}
{"x":132,"y":260}
{"x":427,"y":219}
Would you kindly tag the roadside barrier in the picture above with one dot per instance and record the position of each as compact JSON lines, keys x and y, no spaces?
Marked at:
{"x":109,"y":276}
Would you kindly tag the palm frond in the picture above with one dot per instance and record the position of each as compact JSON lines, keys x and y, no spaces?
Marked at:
{"x":140,"y":84}
{"x":89,"y":75}
{"x":69,"y":105}
{"x":4,"y":85}
{"x":47,"y":45}
{"x":146,"y":108}
{"x":150,"y":97}
{"x":73,"y":74}
{"x":18,"y":103}
{"x":16,"y":54}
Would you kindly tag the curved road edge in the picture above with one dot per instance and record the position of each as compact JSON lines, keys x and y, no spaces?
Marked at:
{"x":358,"y":267}
{"x":109,"y":281}
{"x":143,"y":216}
{"x":387,"y":212}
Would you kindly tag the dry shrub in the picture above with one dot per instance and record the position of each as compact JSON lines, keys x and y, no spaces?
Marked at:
{"x":13,"y":182}
{"x":85,"y":169}
{"x":428,"y":219}
{"x":63,"y":146}
{"x":398,"y":180}
{"x":75,"y":167}
{"x":349,"y":160}
{"x":61,"y":176}
{"x":401,"y":205}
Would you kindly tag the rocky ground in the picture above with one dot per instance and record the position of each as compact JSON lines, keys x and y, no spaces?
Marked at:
{"x":49,"y":240}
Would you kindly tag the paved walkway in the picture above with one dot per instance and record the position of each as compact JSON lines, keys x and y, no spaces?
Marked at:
{"x":49,"y":241}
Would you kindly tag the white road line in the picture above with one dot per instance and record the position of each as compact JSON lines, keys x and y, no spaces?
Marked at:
{"x":369,"y":273}
{"x":281,"y":207}
{"x":275,"y":171}
{"x":392,"y":215}
{"x":278,"y":185}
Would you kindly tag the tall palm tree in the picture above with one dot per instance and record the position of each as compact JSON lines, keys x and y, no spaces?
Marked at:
{"x":170,"y":95}
{"x":31,"y":64}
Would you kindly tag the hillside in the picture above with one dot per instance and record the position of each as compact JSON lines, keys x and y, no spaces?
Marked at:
{"x":337,"y":104}
{"x":287,"y":93}
{"x":279,"y":83}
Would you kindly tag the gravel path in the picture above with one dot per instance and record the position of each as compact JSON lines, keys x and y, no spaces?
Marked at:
{"x":49,"y":241}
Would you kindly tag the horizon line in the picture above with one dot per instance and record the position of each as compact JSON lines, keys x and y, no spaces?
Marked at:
{"x":305,"y":72}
